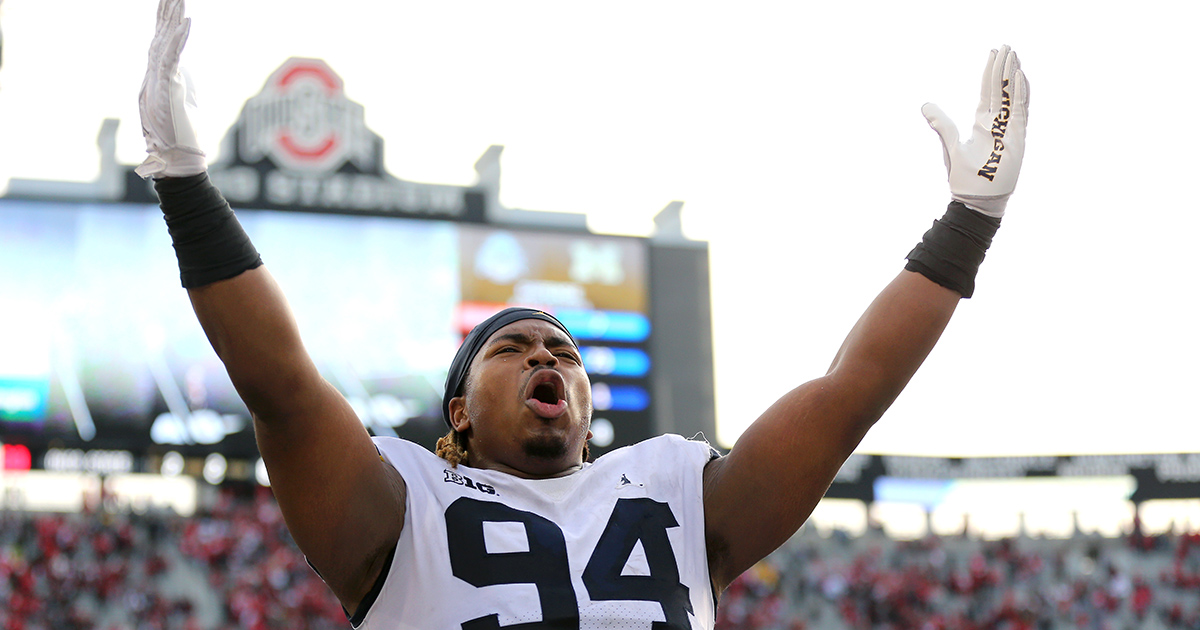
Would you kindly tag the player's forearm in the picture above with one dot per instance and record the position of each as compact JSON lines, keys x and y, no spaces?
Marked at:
{"x":898,"y":330}
{"x":239,"y":305}
{"x":890,"y":341}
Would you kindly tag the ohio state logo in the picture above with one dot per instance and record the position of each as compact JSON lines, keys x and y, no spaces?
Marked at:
{"x":303,"y":121}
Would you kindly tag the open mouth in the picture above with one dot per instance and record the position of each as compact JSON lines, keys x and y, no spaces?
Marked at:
{"x":545,"y":394}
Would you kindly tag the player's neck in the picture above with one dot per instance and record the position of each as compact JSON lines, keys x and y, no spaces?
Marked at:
{"x":532,"y":471}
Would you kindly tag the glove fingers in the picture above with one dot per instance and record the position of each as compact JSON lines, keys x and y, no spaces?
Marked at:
{"x":175,"y":12}
{"x":169,"y":27}
{"x":1012,"y":65}
{"x":170,"y":17}
{"x":1016,"y":101}
{"x":155,"y":102}
{"x":1000,"y":70}
{"x":160,"y":24}
{"x":170,"y":51}
{"x":178,"y":39}
{"x":985,"y":89}
{"x":166,"y":21}
{"x":1020,"y":95}
{"x":161,"y":18}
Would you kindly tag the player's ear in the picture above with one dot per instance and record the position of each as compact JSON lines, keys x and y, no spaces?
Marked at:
{"x":458,"y":414}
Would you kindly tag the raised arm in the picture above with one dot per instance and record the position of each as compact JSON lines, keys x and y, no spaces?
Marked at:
{"x":342,"y":504}
{"x":758,"y":495}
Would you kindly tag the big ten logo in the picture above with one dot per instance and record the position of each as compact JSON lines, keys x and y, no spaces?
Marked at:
{"x":596,"y":263}
{"x":463,"y":480}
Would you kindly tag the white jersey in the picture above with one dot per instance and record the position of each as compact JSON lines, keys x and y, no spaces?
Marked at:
{"x":618,"y":544}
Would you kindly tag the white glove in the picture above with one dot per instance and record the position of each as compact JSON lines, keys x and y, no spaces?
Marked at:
{"x":983,"y":170}
{"x":166,"y":97}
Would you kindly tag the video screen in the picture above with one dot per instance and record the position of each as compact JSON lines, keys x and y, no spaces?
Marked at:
{"x":99,"y":347}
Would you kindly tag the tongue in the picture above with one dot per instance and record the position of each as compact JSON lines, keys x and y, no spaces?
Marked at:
{"x":547,"y":410}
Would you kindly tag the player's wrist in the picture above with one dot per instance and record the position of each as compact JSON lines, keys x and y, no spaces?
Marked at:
{"x":209,"y":242}
{"x":951,"y":251}
{"x":990,"y":206}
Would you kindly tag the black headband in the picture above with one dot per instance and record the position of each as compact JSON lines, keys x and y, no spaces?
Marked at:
{"x":474,"y":343}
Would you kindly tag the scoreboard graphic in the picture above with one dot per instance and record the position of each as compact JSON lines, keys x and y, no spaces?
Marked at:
{"x":101,"y":349}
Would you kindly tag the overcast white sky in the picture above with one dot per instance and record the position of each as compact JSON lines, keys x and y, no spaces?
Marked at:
{"x":792,"y":133}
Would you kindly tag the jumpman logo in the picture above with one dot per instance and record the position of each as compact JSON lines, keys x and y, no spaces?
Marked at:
{"x":625,"y":482}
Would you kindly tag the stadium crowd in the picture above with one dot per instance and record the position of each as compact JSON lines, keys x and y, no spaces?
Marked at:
{"x":234,"y":566}
{"x":962,"y":583}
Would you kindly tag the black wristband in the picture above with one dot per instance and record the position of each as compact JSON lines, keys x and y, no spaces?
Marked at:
{"x":950,"y":252}
{"x":209,"y":242}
